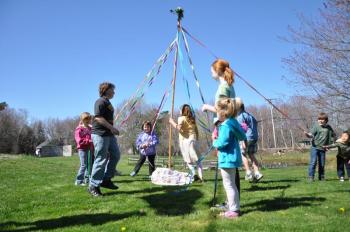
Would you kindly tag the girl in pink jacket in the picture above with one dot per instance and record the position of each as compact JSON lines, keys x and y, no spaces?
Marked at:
{"x":85,"y":146}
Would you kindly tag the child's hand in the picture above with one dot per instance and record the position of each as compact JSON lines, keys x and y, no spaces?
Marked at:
{"x":326,"y":148}
{"x":349,"y":162}
{"x":307,"y":134}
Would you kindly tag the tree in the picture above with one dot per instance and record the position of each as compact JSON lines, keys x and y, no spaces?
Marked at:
{"x":321,"y":60}
{"x":3,"y":105}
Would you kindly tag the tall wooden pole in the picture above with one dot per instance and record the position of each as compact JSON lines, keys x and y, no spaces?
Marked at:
{"x":179,"y":13}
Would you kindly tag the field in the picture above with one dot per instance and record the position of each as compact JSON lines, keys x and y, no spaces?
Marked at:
{"x":38,"y":194}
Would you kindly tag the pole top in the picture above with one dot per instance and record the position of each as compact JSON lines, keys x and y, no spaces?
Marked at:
{"x":179,"y":12}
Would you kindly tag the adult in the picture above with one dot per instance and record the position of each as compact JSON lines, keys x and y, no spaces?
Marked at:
{"x":103,"y":132}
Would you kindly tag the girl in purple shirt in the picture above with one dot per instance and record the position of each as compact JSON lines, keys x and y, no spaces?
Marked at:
{"x":146,"y":144}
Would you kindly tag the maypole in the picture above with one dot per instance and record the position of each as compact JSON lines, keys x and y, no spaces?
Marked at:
{"x":179,"y":11}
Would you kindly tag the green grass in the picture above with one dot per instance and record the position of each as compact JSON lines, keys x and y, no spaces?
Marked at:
{"x":38,"y":194}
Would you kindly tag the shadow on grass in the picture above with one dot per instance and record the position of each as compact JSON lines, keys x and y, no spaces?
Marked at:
{"x":278,"y":181}
{"x":173,"y":203}
{"x":254,"y":188}
{"x":145,"y":190}
{"x":68,"y":221}
{"x":282,"y":203}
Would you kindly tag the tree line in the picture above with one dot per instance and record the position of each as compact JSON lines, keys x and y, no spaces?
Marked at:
{"x":19,"y":135}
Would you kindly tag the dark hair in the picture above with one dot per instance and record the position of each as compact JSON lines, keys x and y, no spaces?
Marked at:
{"x":347,"y":132}
{"x":104,"y":87}
{"x":323,"y":116}
{"x":242,"y":107}
{"x":146,"y":123}
{"x":186,"y":111}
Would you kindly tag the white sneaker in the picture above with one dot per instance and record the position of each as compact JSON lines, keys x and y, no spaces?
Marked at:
{"x":248,"y":176}
{"x":133,"y":174}
{"x":341,"y":179}
{"x":258,"y":176}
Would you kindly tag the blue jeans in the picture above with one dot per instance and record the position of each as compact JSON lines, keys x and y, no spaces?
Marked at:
{"x":82,"y":172}
{"x":107,"y":155}
{"x":317,"y":156}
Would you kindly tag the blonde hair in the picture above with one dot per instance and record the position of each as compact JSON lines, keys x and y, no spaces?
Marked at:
{"x":228,"y":106}
{"x":222,"y":68}
{"x":84,"y":116}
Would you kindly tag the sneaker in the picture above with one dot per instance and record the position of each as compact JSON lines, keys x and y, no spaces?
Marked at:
{"x":341,"y":179}
{"x":80,"y":183}
{"x":95,"y":191}
{"x":230,"y":214}
{"x":310,"y":179}
{"x":248,"y":176}
{"x":258,"y":176}
{"x":133,"y":174}
{"x":220,"y":207}
{"x":108,"y":184}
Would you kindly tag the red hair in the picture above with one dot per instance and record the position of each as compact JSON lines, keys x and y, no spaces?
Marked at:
{"x":222,"y":68}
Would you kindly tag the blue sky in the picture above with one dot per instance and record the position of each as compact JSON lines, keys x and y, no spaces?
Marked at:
{"x":54,"y":54}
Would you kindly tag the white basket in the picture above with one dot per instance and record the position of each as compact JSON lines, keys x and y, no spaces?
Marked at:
{"x":166,"y":176}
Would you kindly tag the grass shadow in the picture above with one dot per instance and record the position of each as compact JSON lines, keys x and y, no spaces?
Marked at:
{"x":279,"y":181}
{"x":145,"y":190}
{"x":254,"y":188}
{"x":68,"y":221}
{"x":282,"y":203}
{"x":173,"y":203}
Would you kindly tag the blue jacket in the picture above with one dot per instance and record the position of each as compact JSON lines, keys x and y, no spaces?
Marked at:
{"x":250,"y":121}
{"x":227,"y":143}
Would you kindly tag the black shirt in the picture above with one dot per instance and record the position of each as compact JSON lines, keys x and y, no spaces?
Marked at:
{"x":104,"y":109}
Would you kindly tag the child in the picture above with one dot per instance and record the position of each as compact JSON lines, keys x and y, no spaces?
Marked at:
{"x":188,"y":135}
{"x":322,"y":134}
{"x":221,"y":71}
{"x":343,"y":154}
{"x":84,"y":145}
{"x":229,"y":153}
{"x":146,"y":144}
{"x":249,"y":125}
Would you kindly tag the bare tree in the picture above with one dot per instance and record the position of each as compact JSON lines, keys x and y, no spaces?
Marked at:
{"x":321,"y":61}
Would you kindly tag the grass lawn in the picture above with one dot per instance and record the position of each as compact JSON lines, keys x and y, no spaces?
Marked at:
{"x":38,"y":194}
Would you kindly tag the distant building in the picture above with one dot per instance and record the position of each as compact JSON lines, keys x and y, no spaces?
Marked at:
{"x":46,"y":150}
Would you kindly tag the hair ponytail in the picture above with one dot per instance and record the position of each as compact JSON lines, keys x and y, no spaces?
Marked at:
{"x":229,"y":76}
{"x":222,"y":68}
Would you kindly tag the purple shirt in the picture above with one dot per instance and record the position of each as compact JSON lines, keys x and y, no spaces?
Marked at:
{"x":150,"y":139}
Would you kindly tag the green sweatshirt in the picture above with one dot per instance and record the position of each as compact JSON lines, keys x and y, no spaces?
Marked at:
{"x":343,"y":149}
{"x":322,"y":136}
